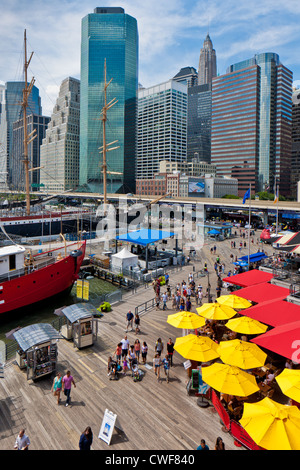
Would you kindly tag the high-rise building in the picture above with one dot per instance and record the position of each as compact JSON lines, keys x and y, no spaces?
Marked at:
{"x":207,"y":62}
{"x":251,"y":123}
{"x":187,"y":75}
{"x":295,"y":174}
{"x":108,"y":35}
{"x":59,"y":153}
{"x":11,"y":111}
{"x":162,"y":126}
{"x":199,"y":123}
{"x":39,"y":124}
{"x":199,"y":106}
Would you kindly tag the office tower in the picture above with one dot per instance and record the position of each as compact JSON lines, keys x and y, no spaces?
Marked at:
{"x":11,"y":111}
{"x":207,"y":63}
{"x":108,"y":34}
{"x":295,"y":174}
{"x":199,"y":106}
{"x":251,"y":123}
{"x":59,"y":154}
{"x":199,"y":123}
{"x":162,"y":124}
{"x":187,"y":75}
{"x":39,"y":124}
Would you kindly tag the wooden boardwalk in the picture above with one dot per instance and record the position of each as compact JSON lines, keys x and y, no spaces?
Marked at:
{"x":153,"y":415}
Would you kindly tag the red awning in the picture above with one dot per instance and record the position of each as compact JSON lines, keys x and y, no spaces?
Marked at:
{"x":274,"y":312}
{"x":263,"y":292}
{"x":283,"y":340}
{"x":249,"y":278}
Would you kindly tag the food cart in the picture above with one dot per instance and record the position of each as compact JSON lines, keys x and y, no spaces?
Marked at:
{"x":81,"y":326}
{"x":38,"y":349}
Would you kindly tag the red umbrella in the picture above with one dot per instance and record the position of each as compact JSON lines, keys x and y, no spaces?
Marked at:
{"x":283,"y":340}
{"x":274,"y":312}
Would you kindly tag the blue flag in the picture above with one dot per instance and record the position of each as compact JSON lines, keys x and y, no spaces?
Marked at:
{"x":246,"y":196}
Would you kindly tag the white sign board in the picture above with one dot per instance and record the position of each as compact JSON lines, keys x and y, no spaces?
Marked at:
{"x":107,"y":426}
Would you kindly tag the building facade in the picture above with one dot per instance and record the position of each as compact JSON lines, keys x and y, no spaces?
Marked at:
{"x":199,"y":123}
{"x":38,"y":124}
{"x":251,"y":123}
{"x":207,"y":63}
{"x":295,"y":174}
{"x":188,"y":76}
{"x":59,"y":153}
{"x":108,"y":35}
{"x":162,"y":126}
{"x":191,"y":168}
{"x":11,"y":111}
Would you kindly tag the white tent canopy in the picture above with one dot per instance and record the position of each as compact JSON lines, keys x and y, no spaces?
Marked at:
{"x":123,"y":260}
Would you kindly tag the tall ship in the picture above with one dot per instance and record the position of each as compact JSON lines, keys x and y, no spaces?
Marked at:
{"x":27,"y":278}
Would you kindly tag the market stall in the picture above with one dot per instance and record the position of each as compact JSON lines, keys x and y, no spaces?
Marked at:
{"x":37,"y":351}
{"x":81,"y":326}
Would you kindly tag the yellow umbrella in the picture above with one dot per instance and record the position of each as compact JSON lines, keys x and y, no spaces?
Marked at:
{"x":289,"y":382}
{"x":233,"y":301}
{"x":215,"y":311}
{"x":229,"y":379}
{"x":196,"y":348}
{"x":241,"y":354}
{"x":186,"y":320}
{"x":246,"y":325}
{"x":271,"y":425}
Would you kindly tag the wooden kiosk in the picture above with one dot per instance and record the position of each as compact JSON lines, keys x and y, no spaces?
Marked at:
{"x":81,"y":326}
{"x":38,"y":349}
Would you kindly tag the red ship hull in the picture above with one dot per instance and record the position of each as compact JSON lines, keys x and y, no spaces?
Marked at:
{"x":41,"y":284}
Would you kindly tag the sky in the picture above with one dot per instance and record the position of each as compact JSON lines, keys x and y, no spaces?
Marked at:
{"x":171,"y":34}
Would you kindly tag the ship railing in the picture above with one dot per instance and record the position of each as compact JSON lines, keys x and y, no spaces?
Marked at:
{"x":27,"y":270}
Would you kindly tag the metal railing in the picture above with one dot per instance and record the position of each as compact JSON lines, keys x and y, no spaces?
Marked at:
{"x":145,"y":306}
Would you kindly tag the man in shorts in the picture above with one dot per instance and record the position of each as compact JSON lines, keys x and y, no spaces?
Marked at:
{"x":125,"y":346}
{"x":129,"y":317}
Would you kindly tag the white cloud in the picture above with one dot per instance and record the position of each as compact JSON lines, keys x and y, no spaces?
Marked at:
{"x":171,"y":33}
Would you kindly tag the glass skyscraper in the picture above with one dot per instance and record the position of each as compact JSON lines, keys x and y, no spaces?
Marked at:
{"x":108,"y":34}
{"x":251,"y":123}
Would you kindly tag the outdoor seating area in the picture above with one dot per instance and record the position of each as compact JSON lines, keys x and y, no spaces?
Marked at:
{"x":241,"y":362}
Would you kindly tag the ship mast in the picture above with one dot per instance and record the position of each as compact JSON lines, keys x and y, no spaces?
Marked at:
{"x":27,"y":137}
{"x":105,"y":148}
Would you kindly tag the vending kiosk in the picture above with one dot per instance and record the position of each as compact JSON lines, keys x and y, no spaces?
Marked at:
{"x":81,"y":325}
{"x":38,"y":349}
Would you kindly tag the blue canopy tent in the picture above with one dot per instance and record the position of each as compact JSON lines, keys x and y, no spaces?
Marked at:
{"x":145,"y":237}
{"x":214,"y":232}
{"x":254,"y":257}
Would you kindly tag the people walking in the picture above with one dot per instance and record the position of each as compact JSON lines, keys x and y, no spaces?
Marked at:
{"x":156,"y":365}
{"x":22,"y":441}
{"x":67,"y":382}
{"x":137,"y":349}
{"x":86,"y":439}
{"x":166,"y":364}
{"x":219,"y":444}
{"x":165,"y":299}
{"x":125,"y":346}
{"x":159,"y":346}
{"x":137,"y":322}
{"x":144,"y":352}
{"x":170,"y":350}
{"x":129,"y":318}
{"x":203,"y":445}
{"x":57,"y":386}
{"x":118,"y":353}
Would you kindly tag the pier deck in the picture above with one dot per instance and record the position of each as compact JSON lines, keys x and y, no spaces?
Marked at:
{"x":153,"y":415}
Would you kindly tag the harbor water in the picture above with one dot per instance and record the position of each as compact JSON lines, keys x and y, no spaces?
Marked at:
{"x":44,"y":313}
